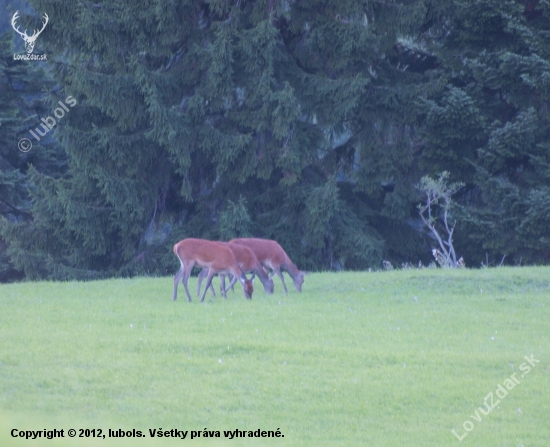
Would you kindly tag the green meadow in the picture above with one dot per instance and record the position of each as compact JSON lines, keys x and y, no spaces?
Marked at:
{"x":397,"y":358}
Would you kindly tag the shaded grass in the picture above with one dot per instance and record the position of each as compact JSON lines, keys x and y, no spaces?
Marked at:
{"x":353,"y":360}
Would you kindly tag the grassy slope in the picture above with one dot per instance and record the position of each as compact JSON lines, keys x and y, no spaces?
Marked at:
{"x":353,"y":360}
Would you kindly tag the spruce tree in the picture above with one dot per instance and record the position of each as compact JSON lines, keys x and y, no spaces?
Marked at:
{"x":22,"y":86}
{"x":488,"y":124}
{"x":320,"y":115}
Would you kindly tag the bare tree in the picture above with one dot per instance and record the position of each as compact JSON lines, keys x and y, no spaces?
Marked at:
{"x":434,"y":211}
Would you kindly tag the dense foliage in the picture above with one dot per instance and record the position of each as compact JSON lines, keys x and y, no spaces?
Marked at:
{"x":308,"y":122}
{"x":21,"y":101}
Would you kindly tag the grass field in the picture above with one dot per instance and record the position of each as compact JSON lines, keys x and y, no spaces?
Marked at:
{"x":396,"y":358}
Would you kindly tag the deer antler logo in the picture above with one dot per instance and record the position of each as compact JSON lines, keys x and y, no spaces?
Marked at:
{"x":29,"y":40}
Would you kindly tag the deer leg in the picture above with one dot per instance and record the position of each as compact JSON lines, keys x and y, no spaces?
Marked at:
{"x":212,"y":289}
{"x":177,"y":278}
{"x":202,"y":275}
{"x":280,"y":275}
{"x":222,"y":286}
{"x":185,"y":280}
{"x":211,"y":274}
{"x":222,"y":282}
{"x":232,"y":282}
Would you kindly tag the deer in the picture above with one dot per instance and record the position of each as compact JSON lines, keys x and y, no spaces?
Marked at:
{"x":248,"y":262}
{"x":272,"y":256}
{"x":29,"y":40}
{"x":215,"y":257}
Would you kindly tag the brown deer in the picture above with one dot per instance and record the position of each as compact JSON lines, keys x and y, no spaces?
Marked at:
{"x":271,"y":255}
{"x":216,"y":257}
{"x":249,"y":264}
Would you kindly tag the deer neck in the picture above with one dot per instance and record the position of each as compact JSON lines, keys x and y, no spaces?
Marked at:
{"x":290,"y":268}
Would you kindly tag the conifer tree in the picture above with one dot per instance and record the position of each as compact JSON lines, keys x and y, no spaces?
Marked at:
{"x":21,"y":105}
{"x":184,"y":108}
{"x":307,"y":122}
{"x":490,"y":120}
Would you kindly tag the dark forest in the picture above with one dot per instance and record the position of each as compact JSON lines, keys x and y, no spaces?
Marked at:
{"x":320,"y":124}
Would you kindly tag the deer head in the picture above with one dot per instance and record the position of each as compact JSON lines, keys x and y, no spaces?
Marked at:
{"x":29,"y":40}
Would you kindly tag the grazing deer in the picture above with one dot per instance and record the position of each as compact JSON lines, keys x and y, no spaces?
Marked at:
{"x":248,"y":262}
{"x":217,"y":258}
{"x":271,"y":255}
